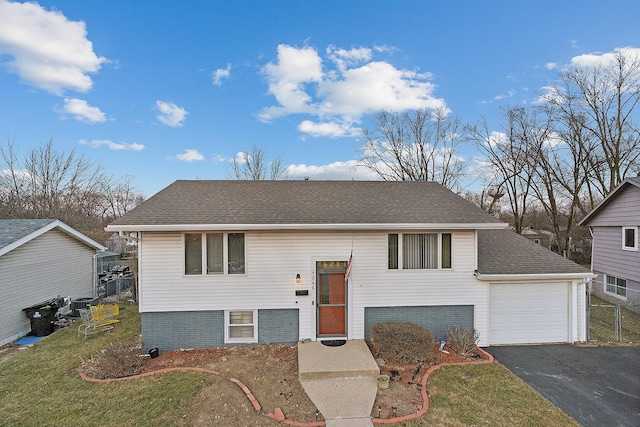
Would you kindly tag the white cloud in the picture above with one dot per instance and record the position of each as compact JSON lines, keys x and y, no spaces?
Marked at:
{"x":551,"y":65}
{"x":340,"y":95}
{"x":509,"y":94}
{"x":549,"y":94}
{"x":330,"y":129}
{"x":82,"y":111}
{"x":287,"y":80}
{"x":598,"y":59}
{"x":46,"y":49}
{"x":170,"y":114}
{"x":220,"y":74}
{"x":190,"y":155}
{"x":385,"y":49}
{"x":115,"y":146}
{"x":333,"y":171}
{"x":344,"y":58}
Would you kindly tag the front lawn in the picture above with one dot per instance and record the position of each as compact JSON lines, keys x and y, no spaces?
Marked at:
{"x":41,"y":386}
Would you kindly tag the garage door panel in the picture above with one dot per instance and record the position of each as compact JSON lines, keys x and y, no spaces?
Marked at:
{"x":528,"y":313}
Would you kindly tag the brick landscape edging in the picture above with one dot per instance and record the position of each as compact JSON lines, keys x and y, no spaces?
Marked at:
{"x":423,"y":389}
{"x":277,"y":413}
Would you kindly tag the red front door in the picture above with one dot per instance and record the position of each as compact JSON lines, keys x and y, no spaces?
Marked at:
{"x":332,"y":304}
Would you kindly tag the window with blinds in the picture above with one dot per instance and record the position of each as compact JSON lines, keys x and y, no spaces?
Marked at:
{"x":218,"y":253}
{"x":419,"y":251}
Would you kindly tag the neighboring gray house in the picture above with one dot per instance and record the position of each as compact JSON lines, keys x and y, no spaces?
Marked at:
{"x":615,"y":256}
{"x":239,"y":262}
{"x":541,"y":237}
{"x":39,"y":260}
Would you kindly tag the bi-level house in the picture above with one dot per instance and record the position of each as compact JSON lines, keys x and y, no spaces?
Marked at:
{"x":241,"y":262}
{"x":615,"y":253}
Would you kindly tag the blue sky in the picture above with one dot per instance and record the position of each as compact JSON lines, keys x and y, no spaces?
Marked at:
{"x":166,"y":90}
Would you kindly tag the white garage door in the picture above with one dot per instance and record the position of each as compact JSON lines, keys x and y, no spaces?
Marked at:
{"x":529,"y":313}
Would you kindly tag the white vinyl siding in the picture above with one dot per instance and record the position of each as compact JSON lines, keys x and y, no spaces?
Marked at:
{"x":276,"y":258}
{"x":50,"y":265}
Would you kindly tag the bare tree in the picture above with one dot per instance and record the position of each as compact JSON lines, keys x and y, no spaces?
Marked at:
{"x":598,"y":103}
{"x":254,"y":166}
{"x":46,"y":183}
{"x":119,"y":198}
{"x":417,"y":146}
{"x":512,"y":158}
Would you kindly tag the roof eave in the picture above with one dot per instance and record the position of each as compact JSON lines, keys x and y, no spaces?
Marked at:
{"x":50,"y":226}
{"x":530,"y":276}
{"x":594,"y":212}
{"x":302,"y":227}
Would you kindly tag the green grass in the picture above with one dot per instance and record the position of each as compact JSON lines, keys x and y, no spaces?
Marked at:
{"x":486,"y":395}
{"x":40,"y":386}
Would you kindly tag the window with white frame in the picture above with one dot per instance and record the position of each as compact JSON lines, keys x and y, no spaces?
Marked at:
{"x":419,"y":251}
{"x":630,"y":238}
{"x":214,"y":253}
{"x":616,"y":286}
{"x":241,"y":326}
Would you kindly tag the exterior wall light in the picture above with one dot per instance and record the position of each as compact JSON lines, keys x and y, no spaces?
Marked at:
{"x":298,"y":278}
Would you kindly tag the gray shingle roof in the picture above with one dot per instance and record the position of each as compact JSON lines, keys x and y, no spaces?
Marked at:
{"x":506,"y":252}
{"x":12,"y":230}
{"x":304,"y":203}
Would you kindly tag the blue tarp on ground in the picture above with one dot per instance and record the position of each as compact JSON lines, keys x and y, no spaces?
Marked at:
{"x":28,"y":340}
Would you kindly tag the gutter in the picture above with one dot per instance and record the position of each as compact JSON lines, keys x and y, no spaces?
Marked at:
{"x":587,"y":276}
{"x":324,"y":227}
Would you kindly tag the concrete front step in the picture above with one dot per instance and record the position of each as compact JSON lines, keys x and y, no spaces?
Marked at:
{"x":318,"y":361}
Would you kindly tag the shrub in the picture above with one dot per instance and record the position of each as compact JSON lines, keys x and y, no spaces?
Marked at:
{"x":402,"y":342}
{"x":117,"y":360}
{"x":462,"y":341}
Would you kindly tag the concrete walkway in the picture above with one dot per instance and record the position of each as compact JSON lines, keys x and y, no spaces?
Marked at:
{"x":340,"y":381}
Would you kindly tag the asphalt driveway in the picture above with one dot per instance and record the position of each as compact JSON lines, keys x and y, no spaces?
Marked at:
{"x":597,"y":386}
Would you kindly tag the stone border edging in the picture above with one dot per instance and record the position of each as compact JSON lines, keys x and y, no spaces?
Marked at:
{"x":423,"y":389}
{"x":278,"y":415}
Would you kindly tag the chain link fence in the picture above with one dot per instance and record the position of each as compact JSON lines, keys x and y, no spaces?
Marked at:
{"x":611,"y":319}
{"x":117,"y":286}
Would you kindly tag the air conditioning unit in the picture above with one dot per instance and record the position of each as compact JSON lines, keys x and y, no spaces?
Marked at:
{"x":79,"y":303}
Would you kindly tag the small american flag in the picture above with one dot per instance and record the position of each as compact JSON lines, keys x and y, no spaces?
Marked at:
{"x":348,"y":273}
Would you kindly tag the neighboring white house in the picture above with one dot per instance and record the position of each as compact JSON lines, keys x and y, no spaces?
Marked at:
{"x":237,"y":262}
{"x":615,"y":253}
{"x":39,"y":260}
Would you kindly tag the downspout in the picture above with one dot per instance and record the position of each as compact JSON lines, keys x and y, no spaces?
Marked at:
{"x":94,"y":279}
{"x":587,"y":292}
{"x":592,"y":241}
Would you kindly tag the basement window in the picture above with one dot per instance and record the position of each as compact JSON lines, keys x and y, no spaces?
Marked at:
{"x":616,"y":286}
{"x":241,"y":326}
